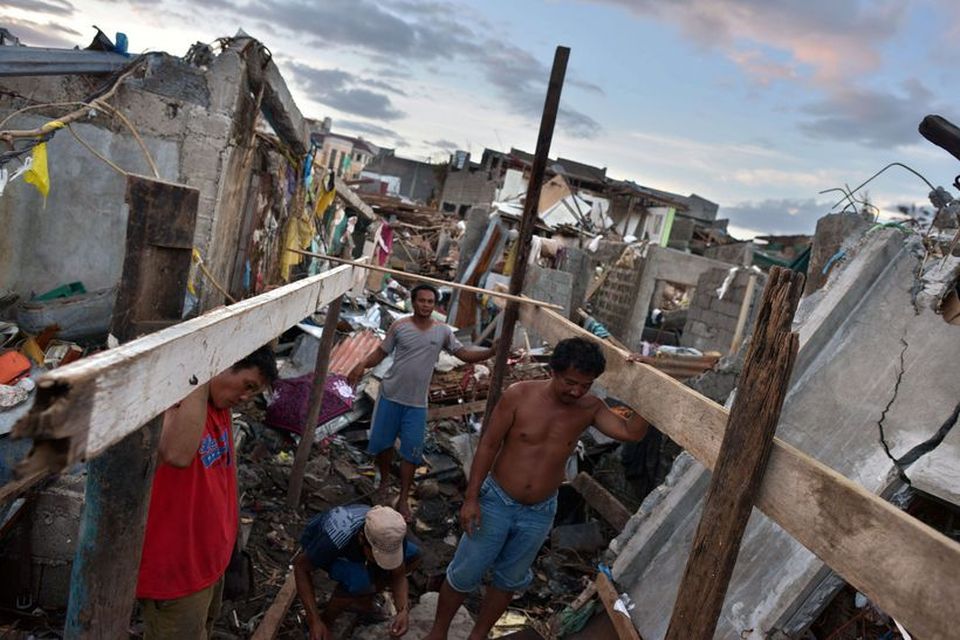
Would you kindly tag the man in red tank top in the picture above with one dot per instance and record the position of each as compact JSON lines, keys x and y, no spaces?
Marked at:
{"x":193,"y":517}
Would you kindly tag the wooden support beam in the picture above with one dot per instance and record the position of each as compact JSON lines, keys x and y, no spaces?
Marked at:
{"x":747,"y":442}
{"x":601,"y":500}
{"x":620,"y":618}
{"x":270,"y":625}
{"x":316,"y":403}
{"x":551,"y":106}
{"x":103,"y":579}
{"x":87,"y":406}
{"x":350,"y":197}
{"x":435,"y":281}
{"x":456,"y":410}
{"x":910,"y":579}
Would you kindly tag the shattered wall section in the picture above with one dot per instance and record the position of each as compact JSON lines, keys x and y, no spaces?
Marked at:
{"x":189,"y":122}
{"x":872,"y":381}
{"x":712,"y":320}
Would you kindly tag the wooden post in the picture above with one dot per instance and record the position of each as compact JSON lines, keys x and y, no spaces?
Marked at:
{"x":740,"y":466}
{"x":742,"y":317}
{"x":316,"y":402}
{"x":103,"y":579}
{"x":527,"y":224}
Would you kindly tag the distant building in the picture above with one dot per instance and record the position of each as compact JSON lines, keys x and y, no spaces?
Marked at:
{"x":416,"y":181}
{"x":346,"y":155}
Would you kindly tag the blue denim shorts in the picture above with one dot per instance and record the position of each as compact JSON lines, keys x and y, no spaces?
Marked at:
{"x":507,"y":542}
{"x":391,"y":420}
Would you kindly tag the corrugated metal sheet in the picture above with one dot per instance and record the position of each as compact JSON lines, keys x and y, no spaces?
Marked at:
{"x":352,"y":350}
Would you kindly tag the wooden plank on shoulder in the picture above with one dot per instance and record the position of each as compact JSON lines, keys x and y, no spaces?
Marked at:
{"x":93,"y":403}
{"x":907,"y":568}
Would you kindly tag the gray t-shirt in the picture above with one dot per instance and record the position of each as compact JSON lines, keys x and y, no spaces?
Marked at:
{"x":415,"y":354}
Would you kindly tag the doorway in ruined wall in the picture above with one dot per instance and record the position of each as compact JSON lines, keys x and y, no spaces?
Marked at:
{"x":667,"y":312}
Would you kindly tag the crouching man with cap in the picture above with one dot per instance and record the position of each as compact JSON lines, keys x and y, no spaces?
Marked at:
{"x":365,"y":550}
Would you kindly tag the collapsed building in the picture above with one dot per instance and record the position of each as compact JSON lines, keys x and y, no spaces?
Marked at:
{"x":643,"y":271}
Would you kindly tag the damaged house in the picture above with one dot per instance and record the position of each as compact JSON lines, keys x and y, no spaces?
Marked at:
{"x":183,"y":184}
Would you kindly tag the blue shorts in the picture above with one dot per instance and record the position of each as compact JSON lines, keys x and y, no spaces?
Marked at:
{"x":357,"y":579}
{"x":391,"y":420}
{"x":507,"y":542}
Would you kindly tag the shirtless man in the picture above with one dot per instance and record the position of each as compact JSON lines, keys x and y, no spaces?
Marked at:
{"x":507,"y":515}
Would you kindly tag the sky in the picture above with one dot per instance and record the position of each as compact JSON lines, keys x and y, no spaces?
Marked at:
{"x":758,"y":105}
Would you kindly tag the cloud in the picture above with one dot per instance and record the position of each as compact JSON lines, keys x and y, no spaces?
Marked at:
{"x":834,"y":39}
{"x":784,"y":216}
{"x":877,"y":119}
{"x":41,"y":6}
{"x":366,"y":127}
{"x":42,"y":35}
{"x":446,"y":145}
{"x":336,"y":88}
{"x":398,"y":32}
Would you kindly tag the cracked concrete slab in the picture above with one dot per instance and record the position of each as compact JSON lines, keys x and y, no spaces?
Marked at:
{"x":847,"y":371}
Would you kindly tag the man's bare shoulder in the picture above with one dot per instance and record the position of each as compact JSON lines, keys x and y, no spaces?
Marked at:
{"x":523,"y":389}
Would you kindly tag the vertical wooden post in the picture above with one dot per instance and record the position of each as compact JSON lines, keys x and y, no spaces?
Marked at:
{"x":740,"y":465}
{"x":316,"y":403}
{"x":103,"y":580}
{"x":528,"y":223}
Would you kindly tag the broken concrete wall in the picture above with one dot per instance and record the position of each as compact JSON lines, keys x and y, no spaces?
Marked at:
{"x":853,"y":334}
{"x":468,"y":187}
{"x":196,"y":125}
{"x":711,"y":320}
{"x":47,"y":535}
{"x":623,"y":302}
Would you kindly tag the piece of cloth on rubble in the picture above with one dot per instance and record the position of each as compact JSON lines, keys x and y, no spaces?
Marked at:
{"x":414,"y":355}
{"x":384,"y":243}
{"x":298,"y":234}
{"x":291,"y":401}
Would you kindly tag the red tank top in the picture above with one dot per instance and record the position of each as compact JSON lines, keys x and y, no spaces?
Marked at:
{"x":192,"y":522}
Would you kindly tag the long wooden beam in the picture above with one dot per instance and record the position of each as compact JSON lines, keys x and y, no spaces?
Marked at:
{"x":500,"y":295}
{"x":907,"y":568}
{"x":85,"y":407}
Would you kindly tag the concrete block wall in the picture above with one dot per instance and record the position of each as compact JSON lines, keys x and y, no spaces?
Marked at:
{"x":468,"y":187}
{"x":614,"y":301}
{"x":188,"y":120}
{"x":547,"y":285}
{"x":48,"y":534}
{"x":711,"y":321}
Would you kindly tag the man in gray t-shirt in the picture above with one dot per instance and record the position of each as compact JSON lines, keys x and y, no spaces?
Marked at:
{"x":401,"y":411}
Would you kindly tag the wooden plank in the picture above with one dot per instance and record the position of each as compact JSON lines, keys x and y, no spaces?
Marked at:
{"x":89,"y":405}
{"x":601,"y":500}
{"x":436,"y":281}
{"x":156,"y":265}
{"x":551,"y":107}
{"x":273,"y":618}
{"x":316,"y":403}
{"x":344,"y":191}
{"x":910,"y":579}
{"x":621,"y":620}
{"x":743,"y":456}
{"x":456,"y":410}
